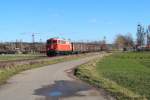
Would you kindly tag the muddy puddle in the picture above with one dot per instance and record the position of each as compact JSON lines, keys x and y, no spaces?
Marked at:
{"x":62,"y":89}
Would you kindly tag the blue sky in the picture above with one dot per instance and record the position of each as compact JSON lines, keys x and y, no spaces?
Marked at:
{"x":74,"y":19}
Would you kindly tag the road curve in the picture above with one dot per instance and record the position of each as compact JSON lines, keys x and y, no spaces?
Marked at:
{"x":50,"y":83}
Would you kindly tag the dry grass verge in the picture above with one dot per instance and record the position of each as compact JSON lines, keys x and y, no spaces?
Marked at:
{"x":8,"y":70}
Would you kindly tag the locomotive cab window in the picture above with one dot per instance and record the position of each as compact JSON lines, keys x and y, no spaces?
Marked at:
{"x":49,"y":42}
{"x":63,"y":42}
{"x":58,"y":42}
{"x":54,"y":41}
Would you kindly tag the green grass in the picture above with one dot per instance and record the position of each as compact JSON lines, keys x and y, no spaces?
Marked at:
{"x":126,"y":76}
{"x":9,"y":71}
{"x":10,"y":57}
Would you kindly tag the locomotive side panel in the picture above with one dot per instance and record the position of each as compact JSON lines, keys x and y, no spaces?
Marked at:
{"x":64,"y":46}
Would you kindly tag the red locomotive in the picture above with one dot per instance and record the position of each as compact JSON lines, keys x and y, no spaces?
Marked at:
{"x":57,"y":46}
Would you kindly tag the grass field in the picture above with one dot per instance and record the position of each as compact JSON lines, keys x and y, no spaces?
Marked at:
{"x":126,"y":76}
{"x":10,"y":57}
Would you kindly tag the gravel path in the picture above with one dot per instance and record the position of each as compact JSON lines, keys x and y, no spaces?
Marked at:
{"x":50,"y":83}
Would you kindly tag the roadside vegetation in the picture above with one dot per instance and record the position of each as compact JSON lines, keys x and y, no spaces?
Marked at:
{"x":13,"y":57}
{"x":126,"y":76}
{"x":12,"y":69}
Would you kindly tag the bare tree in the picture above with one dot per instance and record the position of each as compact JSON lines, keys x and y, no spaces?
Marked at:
{"x":148,"y":35}
{"x":129,"y":40}
{"x":124,"y":41}
{"x":120,"y":41}
{"x":140,"y":35}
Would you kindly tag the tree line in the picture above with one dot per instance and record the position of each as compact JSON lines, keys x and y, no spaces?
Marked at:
{"x":128,"y":42}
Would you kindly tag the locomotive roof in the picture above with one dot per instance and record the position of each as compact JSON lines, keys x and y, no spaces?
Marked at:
{"x":57,"y":39}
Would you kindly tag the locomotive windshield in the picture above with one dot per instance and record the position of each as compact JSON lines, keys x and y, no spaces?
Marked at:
{"x":49,"y":42}
{"x":54,"y":41}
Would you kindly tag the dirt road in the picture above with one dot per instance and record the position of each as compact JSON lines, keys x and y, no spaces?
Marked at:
{"x":50,"y":83}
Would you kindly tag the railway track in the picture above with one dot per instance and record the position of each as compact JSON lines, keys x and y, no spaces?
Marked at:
{"x":9,"y":61}
{"x":13,"y":63}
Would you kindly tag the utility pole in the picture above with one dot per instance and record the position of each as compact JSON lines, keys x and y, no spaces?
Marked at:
{"x":21,"y":45}
{"x":33,"y":42}
{"x":33,"y":37}
{"x":103,"y":43}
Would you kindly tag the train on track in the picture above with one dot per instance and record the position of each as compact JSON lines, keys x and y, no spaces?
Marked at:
{"x":56,"y":46}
